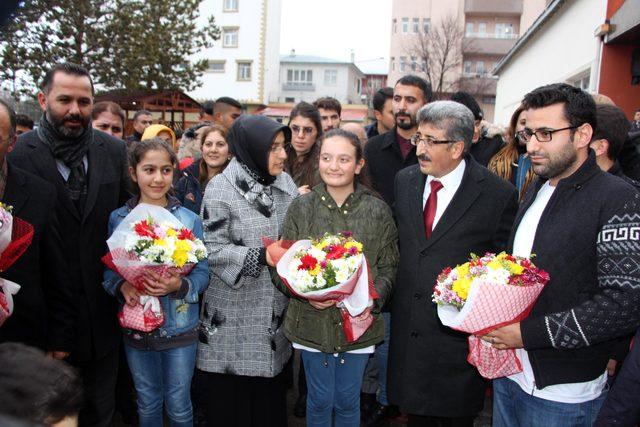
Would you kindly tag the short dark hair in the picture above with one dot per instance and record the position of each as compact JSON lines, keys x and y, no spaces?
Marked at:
{"x":225,"y":100}
{"x":141,"y":113}
{"x":380,"y":97}
{"x":67,"y":68}
{"x":111,"y":107}
{"x":470,"y":102}
{"x":579,"y":106}
{"x":612,"y":126}
{"x":35,"y":387}
{"x":420,"y":83}
{"x":24,"y":120}
{"x":306,"y":110}
{"x":12,"y":117}
{"x":207,"y":108}
{"x":328,"y":103}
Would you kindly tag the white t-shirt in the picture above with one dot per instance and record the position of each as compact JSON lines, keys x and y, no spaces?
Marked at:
{"x":565,"y":393}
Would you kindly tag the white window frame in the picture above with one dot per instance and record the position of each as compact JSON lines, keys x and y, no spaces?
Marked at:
{"x":212,"y":62}
{"x":243,"y":66}
{"x":469,"y":29}
{"x":405,"y":25}
{"x":331,"y":77}
{"x":480,"y":68}
{"x":426,"y":25}
{"x":228,"y":37}
{"x":416,"y":25}
{"x":228,"y":5}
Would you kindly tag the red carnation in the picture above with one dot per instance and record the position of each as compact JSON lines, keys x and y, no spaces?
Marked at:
{"x":186,"y":234}
{"x":143,"y":229}
{"x":308,"y":262}
{"x":336,"y":252}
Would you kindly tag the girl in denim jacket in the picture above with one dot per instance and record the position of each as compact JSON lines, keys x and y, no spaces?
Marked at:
{"x":162,"y":361}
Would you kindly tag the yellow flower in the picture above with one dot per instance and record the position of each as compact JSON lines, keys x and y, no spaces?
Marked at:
{"x":357,"y":245}
{"x":461,"y":287}
{"x":495,"y":264}
{"x":180,"y":258}
{"x":171,"y":232}
{"x":515,"y":268}
{"x":501,"y":255}
{"x":321,"y":244}
{"x":160,"y":242}
{"x":316,"y":270}
{"x":463,"y":270}
{"x":182,"y":245}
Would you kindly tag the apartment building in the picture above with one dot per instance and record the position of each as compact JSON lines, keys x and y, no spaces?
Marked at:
{"x":244,"y":63}
{"x":487,"y":30}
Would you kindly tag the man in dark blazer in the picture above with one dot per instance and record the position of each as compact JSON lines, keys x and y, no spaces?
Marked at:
{"x":447,"y":206}
{"x":88,"y":169}
{"x":43,"y":313}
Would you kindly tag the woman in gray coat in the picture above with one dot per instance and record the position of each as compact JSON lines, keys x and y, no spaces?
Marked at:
{"x":242,"y":347}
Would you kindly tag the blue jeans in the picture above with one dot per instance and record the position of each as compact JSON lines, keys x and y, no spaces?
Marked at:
{"x":333,"y":385}
{"x":382,"y":357}
{"x":163,"y":376}
{"x":512,"y":407}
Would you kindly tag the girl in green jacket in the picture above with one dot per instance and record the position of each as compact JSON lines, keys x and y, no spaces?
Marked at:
{"x":333,"y":366}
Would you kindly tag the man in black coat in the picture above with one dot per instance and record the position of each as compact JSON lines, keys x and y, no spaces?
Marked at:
{"x":88,"y":169}
{"x":43,"y":313}
{"x":390,"y":152}
{"x":447,"y":207}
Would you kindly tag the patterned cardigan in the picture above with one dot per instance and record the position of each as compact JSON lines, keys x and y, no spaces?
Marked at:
{"x":242,"y":310}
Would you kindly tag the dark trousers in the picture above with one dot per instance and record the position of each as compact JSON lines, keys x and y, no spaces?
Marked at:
{"x":99,"y":378}
{"x":240,"y":401}
{"x":420,"y":421}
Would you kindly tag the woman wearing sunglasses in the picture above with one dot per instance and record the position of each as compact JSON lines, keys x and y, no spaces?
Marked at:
{"x":302,"y":153}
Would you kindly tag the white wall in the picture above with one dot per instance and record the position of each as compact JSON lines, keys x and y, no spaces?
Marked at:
{"x":344,"y":90}
{"x":563,"y":48}
{"x":249,"y":19}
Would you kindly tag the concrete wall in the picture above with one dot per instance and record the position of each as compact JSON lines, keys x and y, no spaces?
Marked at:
{"x":562,"y":49}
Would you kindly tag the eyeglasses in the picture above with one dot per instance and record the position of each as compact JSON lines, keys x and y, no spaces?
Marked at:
{"x":542,"y":135}
{"x":428,"y":141}
{"x":306,"y":130}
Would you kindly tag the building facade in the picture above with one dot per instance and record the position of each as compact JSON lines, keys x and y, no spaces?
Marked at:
{"x":244,"y":63}
{"x":307,"y":78}
{"x":485,"y":31}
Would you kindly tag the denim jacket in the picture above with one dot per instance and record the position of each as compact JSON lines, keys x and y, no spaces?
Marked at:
{"x":181,"y":307}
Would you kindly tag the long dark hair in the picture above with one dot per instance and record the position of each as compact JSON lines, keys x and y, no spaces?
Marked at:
{"x":305,"y":172}
{"x":363,"y":177}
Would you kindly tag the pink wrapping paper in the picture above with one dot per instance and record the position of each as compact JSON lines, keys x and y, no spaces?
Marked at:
{"x":140,"y":317}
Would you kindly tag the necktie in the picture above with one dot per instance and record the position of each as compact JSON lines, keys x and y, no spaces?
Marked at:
{"x":431,"y":206}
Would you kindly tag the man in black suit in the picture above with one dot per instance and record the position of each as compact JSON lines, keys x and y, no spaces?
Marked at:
{"x":447,"y":206}
{"x":43,"y":308}
{"x":88,"y":169}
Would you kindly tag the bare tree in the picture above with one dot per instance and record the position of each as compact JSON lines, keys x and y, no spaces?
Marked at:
{"x":437,"y":53}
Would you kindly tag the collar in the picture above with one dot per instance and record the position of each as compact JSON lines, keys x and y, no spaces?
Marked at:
{"x":452,"y":179}
{"x":587,"y":170}
{"x":390,"y":138}
{"x":616,"y":169}
{"x":350,"y":201}
{"x":172,"y":203}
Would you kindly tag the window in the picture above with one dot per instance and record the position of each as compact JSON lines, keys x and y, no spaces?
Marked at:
{"x":300,"y":77}
{"x":393,"y":63}
{"x":480,"y":68}
{"x":403,"y":63}
{"x":244,"y":70}
{"x":504,"y":30}
{"x":358,"y":85}
{"x":395,"y":26}
{"x":488,"y":99}
{"x":469,"y":29}
{"x":416,"y":25}
{"x":330,"y":77}
{"x":405,"y":25}
{"x":426,"y":25}
{"x":287,"y":99}
{"x":413,"y":63}
{"x":581,"y":82}
{"x":230,"y":6}
{"x":482,"y":29}
{"x":216,"y":66}
{"x":229,"y":37}
{"x":467,"y":67}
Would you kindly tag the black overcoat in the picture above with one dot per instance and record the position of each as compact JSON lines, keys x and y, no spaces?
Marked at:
{"x":84,"y":236}
{"x":428,"y":371}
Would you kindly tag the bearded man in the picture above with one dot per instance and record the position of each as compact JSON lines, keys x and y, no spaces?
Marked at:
{"x":89,"y":172}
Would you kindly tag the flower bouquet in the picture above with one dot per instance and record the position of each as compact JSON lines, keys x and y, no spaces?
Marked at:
{"x":331,"y":268}
{"x":15,"y":238}
{"x":487,"y":293}
{"x":150,"y":239}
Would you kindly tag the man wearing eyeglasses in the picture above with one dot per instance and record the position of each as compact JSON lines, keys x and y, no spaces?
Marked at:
{"x":447,"y":206}
{"x":582,"y":225}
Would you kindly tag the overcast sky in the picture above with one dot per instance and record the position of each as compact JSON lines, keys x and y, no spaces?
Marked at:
{"x":332,"y":28}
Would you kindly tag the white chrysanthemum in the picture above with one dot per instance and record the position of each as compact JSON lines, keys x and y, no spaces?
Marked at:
{"x":499,"y":276}
{"x":317,"y":253}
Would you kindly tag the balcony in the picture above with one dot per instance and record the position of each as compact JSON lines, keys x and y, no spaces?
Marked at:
{"x":479,"y":84}
{"x":493,"y":7}
{"x":299,"y":86}
{"x":487,"y":45}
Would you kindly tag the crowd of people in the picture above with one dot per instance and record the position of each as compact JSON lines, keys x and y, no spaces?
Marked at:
{"x":425,"y":185}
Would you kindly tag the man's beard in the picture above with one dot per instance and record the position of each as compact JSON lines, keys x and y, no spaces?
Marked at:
{"x":58,"y":124}
{"x":404,"y":124}
{"x":557,"y":166}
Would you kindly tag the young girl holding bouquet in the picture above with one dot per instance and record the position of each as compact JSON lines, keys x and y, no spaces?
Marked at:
{"x":161,"y":361}
{"x":333,"y":366}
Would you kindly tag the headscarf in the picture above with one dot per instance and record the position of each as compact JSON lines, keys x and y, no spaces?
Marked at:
{"x":153,"y":131}
{"x":250,"y":140}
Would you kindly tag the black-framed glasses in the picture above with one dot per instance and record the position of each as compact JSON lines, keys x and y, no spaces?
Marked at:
{"x":428,"y":141}
{"x":542,"y":135}
{"x":306,"y":130}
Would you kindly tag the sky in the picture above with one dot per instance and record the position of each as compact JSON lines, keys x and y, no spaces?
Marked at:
{"x":332,"y":28}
